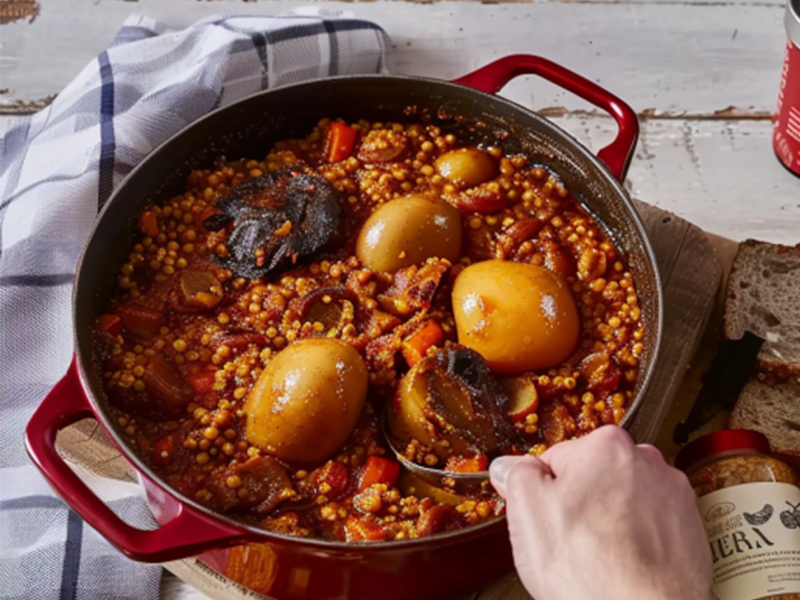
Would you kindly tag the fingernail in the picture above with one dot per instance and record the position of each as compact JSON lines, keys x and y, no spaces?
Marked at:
{"x":498,"y":471}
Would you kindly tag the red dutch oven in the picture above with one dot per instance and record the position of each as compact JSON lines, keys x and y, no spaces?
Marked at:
{"x":292,"y":568}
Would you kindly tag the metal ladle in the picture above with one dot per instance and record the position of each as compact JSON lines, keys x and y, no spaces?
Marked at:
{"x":431,"y":475}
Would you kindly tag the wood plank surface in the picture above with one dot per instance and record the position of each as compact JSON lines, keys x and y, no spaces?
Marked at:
{"x":721,"y":175}
{"x":670,"y":58}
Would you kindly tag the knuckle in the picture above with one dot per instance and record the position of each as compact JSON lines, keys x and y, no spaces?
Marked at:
{"x":651,"y":453}
{"x":614,"y":435}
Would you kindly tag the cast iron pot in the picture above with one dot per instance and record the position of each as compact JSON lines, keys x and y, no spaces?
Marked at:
{"x":291,"y":568}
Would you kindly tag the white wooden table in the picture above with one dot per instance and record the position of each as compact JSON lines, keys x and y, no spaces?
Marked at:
{"x":703,"y":76}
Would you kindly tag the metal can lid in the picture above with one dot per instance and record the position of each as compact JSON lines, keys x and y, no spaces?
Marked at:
{"x":728,"y":440}
{"x":792,"y":21}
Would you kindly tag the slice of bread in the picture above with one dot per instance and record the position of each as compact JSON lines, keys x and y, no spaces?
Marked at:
{"x":764,"y":297}
{"x":774,"y":410}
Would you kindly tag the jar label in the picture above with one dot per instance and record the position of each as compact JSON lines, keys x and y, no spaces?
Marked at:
{"x":754,"y":533}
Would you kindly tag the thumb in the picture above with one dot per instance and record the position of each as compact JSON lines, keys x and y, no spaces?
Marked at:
{"x":501,"y":468}
{"x":524,"y":482}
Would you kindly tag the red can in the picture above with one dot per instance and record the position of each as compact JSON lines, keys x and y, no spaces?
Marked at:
{"x":786,"y":137}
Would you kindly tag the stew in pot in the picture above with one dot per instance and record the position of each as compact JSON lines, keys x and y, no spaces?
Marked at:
{"x":272,"y":313}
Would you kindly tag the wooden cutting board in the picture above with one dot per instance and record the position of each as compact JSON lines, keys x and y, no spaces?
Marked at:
{"x":691,"y":272}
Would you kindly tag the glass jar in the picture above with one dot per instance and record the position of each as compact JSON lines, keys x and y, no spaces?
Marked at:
{"x":750,"y":505}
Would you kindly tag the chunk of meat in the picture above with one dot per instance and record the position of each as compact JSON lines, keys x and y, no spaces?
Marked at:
{"x":165,"y":394}
{"x":438,"y":518}
{"x":238,"y":340}
{"x":330,"y":480}
{"x":260,"y":483}
{"x":414,"y":288}
{"x":197,"y":291}
{"x":556,"y":424}
{"x":140,"y":321}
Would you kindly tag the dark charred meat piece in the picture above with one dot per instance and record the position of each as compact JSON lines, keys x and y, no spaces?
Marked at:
{"x":276,"y":217}
{"x":262,"y":484}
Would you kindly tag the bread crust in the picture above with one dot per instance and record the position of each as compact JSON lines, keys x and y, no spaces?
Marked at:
{"x":756,"y":410}
{"x":764,"y":363}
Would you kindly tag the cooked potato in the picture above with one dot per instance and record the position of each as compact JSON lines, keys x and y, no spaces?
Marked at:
{"x":407,"y":231}
{"x":466,"y":166}
{"x":517,"y":316}
{"x":307,"y":400}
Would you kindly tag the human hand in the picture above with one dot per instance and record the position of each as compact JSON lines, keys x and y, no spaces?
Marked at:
{"x":601,"y":518}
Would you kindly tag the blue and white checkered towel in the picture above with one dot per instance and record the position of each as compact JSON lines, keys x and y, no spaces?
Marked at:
{"x":58,"y":168}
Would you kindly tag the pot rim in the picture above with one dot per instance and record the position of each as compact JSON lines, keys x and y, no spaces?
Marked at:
{"x":248,"y":531}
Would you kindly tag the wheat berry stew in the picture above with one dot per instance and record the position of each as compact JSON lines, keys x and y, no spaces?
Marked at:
{"x":271,"y":316}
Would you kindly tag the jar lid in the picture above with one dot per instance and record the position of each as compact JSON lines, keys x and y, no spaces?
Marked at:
{"x":721,"y":441}
{"x":792,"y":21}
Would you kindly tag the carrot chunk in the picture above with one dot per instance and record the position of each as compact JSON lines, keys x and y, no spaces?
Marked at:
{"x":358,"y":530}
{"x":149,"y":223}
{"x":340,"y":142}
{"x":416,"y":346}
{"x":110,"y":324}
{"x":379,"y":470}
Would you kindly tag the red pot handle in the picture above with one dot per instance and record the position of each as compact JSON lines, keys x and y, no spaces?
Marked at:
{"x":617,"y":155}
{"x":189,"y":533}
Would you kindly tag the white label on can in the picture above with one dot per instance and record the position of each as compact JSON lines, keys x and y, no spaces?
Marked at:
{"x":754,"y":533}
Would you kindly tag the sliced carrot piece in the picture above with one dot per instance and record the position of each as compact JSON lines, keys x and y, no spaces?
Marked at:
{"x":148,"y":223}
{"x":110,"y":324}
{"x":379,"y":470}
{"x":164,"y":450}
{"x":416,"y":346}
{"x":340,"y":143}
{"x":357,"y":530}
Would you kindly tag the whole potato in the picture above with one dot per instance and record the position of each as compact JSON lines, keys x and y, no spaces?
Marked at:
{"x":519,"y":317}
{"x":408,"y":231}
{"x":307,"y":400}
{"x":466,"y":167}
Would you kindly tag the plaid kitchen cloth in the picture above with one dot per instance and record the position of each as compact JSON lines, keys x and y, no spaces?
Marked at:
{"x":59,"y":166}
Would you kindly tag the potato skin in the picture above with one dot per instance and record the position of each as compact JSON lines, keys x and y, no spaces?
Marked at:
{"x":519,"y":317}
{"x":307,"y":400}
{"x":466,"y":167}
{"x":407,"y":231}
